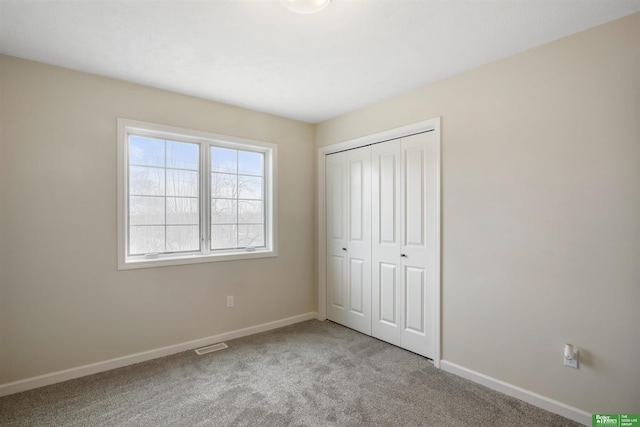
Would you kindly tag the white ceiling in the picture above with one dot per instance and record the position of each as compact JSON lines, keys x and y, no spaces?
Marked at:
{"x":258,"y":55}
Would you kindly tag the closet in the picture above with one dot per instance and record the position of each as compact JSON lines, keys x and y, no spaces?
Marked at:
{"x":382,"y":240}
{"x":348,"y":203}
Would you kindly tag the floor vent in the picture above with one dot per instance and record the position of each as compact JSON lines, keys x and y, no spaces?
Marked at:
{"x":211,"y":348}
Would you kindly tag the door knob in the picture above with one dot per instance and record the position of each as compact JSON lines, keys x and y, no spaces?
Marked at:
{"x":403,"y":255}
{"x":344,"y":249}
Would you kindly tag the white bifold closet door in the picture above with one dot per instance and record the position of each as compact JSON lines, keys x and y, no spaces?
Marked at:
{"x":404,"y":252}
{"x":348,"y":213}
{"x":381,"y":216}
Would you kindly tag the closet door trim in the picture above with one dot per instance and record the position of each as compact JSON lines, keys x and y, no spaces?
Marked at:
{"x":431,"y":125}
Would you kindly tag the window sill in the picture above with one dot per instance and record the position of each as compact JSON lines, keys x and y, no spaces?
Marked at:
{"x":131,"y":264}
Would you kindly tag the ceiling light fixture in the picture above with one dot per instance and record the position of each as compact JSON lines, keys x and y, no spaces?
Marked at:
{"x":305,"y":6}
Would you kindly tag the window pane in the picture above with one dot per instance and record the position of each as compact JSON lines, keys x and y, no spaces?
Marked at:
{"x":146,"y":151}
{"x":249,"y":187}
{"x":182,"y":238}
{"x":146,"y":239}
{"x":223,"y":186}
{"x":181,"y":210}
{"x":250,"y":163}
{"x":182,"y":183}
{"x":223,"y":236}
{"x":146,"y":181}
{"x":223,"y":211}
{"x":146,"y":210}
{"x":250,"y":236}
{"x":249,"y":212}
{"x":224,"y":160}
{"x":182,"y":155}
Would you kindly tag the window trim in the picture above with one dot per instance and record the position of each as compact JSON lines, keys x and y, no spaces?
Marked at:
{"x":127,"y":126}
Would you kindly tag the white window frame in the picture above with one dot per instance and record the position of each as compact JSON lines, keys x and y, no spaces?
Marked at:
{"x":204,"y":140}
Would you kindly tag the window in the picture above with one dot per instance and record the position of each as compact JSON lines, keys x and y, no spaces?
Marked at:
{"x":186,"y":196}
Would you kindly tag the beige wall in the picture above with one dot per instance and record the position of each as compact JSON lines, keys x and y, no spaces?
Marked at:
{"x":541,"y":213}
{"x":63,"y":301}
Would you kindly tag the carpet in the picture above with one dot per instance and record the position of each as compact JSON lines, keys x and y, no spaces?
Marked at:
{"x":309,"y":374}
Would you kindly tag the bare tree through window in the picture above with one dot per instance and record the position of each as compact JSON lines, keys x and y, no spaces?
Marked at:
{"x":164,"y":214}
{"x":164,"y":201}
{"x":237,"y":199}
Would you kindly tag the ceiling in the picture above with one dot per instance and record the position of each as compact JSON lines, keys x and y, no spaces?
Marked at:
{"x":256,"y":54}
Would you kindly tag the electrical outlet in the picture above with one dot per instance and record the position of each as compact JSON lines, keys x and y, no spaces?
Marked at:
{"x":230,"y":301}
{"x":573,"y":362}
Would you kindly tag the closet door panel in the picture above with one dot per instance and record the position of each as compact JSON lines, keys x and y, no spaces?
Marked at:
{"x":414,"y":300}
{"x":419,"y":192}
{"x":336,"y":209}
{"x":415,"y":194}
{"x":356,"y":196}
{"x":357,"y":284}
{"x":385,"y":246}
{"x":336,"y":278}
{"x":387,"y":295}
{"x":387,"y":197}
{"x":359,"y":239}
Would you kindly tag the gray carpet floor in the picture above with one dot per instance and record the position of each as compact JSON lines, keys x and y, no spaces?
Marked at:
{"x":310,"y":374}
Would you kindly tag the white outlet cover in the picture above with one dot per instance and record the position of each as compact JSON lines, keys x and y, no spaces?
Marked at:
{"x":573,"y":363}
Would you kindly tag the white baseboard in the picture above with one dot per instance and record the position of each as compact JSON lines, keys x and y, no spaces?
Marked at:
{"x":93,"y":368}
{"x":575,"y":414}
